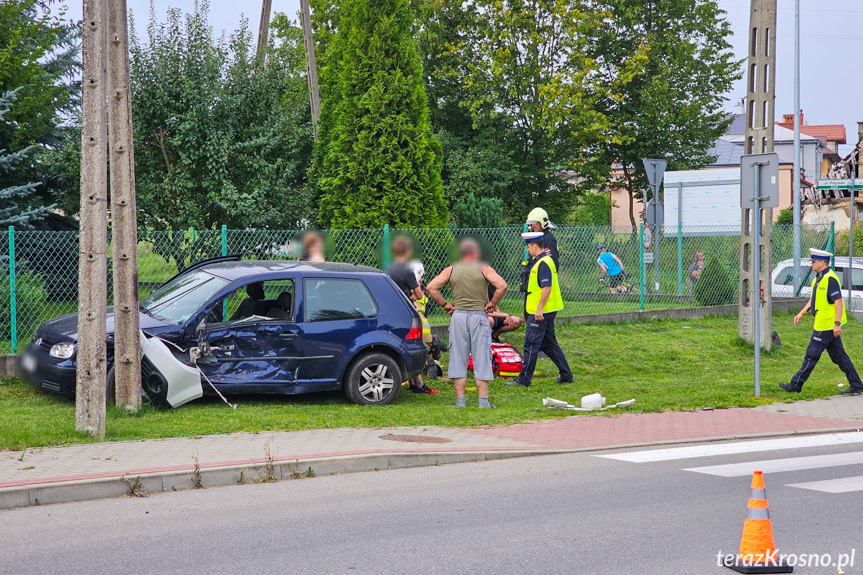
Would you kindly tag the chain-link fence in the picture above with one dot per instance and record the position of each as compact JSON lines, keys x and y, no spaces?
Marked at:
{"x":43,"y":274}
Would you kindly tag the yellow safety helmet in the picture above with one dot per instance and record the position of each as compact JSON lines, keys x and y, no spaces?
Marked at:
{"x":541,"y":216}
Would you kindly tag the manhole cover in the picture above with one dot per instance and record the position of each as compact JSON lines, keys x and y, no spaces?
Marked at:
{"x":415,"y":438}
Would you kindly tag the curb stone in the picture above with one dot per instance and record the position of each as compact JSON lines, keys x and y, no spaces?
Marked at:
{"x":256,"y":472}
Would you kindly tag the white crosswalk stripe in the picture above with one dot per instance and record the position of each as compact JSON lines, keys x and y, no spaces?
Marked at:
{"x":781,"y":465}
{"x":851,"y":483}
{"x":843,"y":485}
{"x":712,"y":449}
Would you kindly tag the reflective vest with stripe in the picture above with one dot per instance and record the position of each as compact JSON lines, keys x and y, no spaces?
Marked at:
{"x":824,"y":311}
{"x":420,"y":306}
{"x":555,"y":301}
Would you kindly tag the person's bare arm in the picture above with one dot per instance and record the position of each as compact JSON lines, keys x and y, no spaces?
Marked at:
{"x":417,"y":294}
{"x":803,"y":312}
{"x":499,"y":284}
{"x":436,"y":285}
{"x":617,"y":259}
{"x":837,"y":329}
{"x":603,"y":269}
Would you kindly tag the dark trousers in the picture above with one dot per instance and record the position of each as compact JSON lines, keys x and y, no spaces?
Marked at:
{"x":825,"y":340}
{"x":539,"y":336}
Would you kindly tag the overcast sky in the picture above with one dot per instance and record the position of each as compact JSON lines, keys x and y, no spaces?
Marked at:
{"x":831,"y":46}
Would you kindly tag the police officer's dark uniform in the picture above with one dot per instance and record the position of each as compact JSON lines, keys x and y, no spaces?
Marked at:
{"x":539,"y":335}
{"x":826,"y":291}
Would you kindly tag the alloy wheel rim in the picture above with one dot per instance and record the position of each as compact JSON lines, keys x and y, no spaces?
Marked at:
{"x":375,"y":382}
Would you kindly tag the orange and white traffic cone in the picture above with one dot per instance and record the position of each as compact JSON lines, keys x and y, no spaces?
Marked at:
{"x":758,"y":552}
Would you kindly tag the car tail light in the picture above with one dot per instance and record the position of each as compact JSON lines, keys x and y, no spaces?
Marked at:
{"x":416,"y":331}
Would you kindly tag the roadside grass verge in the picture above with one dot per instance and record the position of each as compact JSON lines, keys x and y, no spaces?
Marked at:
{"x":664,"y":365}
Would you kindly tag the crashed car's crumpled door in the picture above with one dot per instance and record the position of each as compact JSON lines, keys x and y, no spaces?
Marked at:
{"x":255,"y":353}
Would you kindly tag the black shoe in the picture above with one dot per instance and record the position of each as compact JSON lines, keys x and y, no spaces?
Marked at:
{"x":424,"y":389}
{"x":561,"y":380}
{"x":517,"y":381}
{"x":790,"y":388}
{"x":496,"y":340}
{"x":852,"y":391}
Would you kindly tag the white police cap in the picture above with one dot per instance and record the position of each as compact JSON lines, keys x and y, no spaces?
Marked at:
{"x":532,"y":236}
{"x":820,"y":254}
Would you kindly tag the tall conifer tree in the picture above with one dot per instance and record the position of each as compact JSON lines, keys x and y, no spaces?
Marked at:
{"x":380,"y":163}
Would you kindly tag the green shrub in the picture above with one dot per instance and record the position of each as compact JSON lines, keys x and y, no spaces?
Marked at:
{"x":716,"y":286}
{"x":786,"y":217}
{"x":30,"y":299}
{"x":473,"y":212}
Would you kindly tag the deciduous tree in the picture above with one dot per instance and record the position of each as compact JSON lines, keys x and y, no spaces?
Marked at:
{"x":663,"y":68}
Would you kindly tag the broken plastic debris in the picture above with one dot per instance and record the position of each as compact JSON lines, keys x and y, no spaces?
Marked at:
{"x":552,"y":403}
{"x":592,"y":401}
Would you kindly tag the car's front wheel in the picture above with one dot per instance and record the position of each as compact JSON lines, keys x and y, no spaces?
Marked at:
{"x":373,"y":379}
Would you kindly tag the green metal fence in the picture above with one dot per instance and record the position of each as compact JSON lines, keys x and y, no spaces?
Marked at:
{"x":42,"y":267}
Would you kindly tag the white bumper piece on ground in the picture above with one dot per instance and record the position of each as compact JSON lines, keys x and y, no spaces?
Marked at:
{"x":184,"y":382}
{"x":558,"y":404}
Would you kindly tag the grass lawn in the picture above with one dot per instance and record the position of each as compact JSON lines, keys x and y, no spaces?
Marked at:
{"x":664,"y":365}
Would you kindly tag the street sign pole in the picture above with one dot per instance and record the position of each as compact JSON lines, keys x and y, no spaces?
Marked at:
{"x":850,"y":266}
{"x":756,"y":265}
{"x":655,"y":168}
{"x":795,"y":198}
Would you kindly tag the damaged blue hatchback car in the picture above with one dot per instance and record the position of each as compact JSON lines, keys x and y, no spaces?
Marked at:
{"x":272,"y":327}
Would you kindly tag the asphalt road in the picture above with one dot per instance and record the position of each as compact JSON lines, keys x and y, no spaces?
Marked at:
{"x":555,"y":514}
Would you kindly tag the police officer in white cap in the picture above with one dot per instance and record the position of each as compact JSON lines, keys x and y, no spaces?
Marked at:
{"x":542,"y":303}
{"x":827,"y":306}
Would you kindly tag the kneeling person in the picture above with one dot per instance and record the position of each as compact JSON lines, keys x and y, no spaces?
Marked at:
{"x":541,"y":307}
{"x":500,"y":321}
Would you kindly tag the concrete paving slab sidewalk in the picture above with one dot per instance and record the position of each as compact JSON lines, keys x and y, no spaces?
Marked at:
{"x":111,"y":469}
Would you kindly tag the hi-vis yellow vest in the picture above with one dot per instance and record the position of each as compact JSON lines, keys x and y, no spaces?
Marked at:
{"x":555,"y":301}
{"x":826,"y":311}
{"x":420,"y":306}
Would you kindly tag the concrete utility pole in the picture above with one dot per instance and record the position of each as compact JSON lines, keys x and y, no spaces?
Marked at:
{"x":264,"y":30}
{"x":93,"y":266}
{"x":314,"y":95}
{"x":760,"y":113}
{"x":127,"y":348}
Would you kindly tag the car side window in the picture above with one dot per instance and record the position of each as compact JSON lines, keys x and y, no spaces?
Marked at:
{"x":326,"y":299}
{"x":856,"y":279}
{"x":257,"y":301}
{"x":785,"y":277}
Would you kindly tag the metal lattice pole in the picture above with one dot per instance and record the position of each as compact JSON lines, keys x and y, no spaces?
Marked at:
{"x":127,"y":359}
{"x":93,"y":266}
{"x":760,"y":113}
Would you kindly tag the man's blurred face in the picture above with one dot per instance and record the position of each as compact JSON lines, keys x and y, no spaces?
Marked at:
{"x":819,"y":266}
{"x":533,"y":249}
{"x":536,"y":227}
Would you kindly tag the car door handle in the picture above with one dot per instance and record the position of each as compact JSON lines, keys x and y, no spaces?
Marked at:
{"x":288,"y":335}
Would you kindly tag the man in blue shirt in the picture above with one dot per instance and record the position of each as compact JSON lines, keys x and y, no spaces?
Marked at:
{"x":611,"y":267}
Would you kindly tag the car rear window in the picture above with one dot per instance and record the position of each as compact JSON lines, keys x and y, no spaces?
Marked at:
{"x":327,"y":299}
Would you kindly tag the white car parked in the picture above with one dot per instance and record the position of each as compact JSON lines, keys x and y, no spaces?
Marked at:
{"x":783,"y":279}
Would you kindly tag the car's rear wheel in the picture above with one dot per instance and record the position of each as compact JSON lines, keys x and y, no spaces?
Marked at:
{"x":373,"y":379}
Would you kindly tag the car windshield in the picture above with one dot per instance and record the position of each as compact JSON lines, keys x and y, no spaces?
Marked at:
{"x":176,"y":301}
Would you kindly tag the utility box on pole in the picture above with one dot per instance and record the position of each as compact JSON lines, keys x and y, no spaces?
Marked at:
{"x":755,"y":286}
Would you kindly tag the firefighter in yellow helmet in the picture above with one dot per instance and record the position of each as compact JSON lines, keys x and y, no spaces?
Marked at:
{"x":827,"y":306}
{"x":538,"y":221}
{"x":542,"y":303}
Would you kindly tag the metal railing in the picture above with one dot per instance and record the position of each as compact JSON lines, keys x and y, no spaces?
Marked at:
{"x":42,"y":267}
